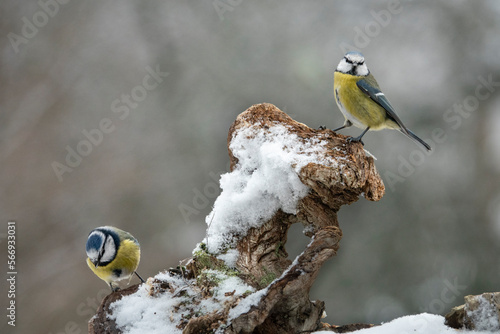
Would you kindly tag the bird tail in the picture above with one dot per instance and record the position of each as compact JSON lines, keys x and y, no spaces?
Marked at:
{"x":415,"y":138}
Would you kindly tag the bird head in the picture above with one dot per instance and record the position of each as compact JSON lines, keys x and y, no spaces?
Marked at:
{"x":102,"y":245}
{"x":353,"y":63}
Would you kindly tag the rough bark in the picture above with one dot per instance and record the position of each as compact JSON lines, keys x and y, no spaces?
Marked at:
{"x":480,"y":312}
{"x":100,"y":322}
{"x":331,"y":187}
{"x":284,"y":306}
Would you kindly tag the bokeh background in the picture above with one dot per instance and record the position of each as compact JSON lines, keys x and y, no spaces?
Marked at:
{"x":66,"y":66}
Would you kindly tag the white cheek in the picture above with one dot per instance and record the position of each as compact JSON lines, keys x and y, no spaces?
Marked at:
{"x":362,"y":70}
{"x":344,"y":66}
{"x":109,"y":250}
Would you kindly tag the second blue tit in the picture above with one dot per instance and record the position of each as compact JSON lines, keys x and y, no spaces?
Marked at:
{"x":363,"y":104}
{"x":113,"y":254}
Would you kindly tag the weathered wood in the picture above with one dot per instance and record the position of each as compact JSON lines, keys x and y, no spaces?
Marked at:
{"x":283,"y":305}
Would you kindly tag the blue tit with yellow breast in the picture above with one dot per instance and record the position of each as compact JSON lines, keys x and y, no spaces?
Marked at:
{"x":363,"y":104}
{"x":113,"y":254}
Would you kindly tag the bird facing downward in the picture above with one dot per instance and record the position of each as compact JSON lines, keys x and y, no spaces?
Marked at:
{"x":363,"y":104}
{"x":113,"y":254}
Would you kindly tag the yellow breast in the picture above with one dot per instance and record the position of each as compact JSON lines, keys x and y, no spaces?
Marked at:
{"x":125,"y":263}
{"x":356,"y":106}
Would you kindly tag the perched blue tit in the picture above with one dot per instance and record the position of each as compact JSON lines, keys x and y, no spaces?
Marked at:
{"x":362,"y":102}
{"x":113,"y":254}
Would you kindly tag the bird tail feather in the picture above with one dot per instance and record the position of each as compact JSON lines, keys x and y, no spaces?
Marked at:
{"x":407,"y":132}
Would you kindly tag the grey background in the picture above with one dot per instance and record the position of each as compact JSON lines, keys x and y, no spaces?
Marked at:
{"x":431,"y":240}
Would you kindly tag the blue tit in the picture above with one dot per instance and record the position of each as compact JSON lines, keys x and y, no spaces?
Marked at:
{"x":362,"y":102}
{"x":113,"y":254}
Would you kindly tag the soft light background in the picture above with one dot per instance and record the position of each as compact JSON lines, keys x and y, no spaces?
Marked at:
{"x":431,"y":240}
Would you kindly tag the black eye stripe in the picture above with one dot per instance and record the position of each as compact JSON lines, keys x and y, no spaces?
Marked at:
{"x":354,"y":63}
{"x":101,"y":251}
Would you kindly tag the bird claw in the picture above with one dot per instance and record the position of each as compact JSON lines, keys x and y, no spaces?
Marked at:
{"x":321,"y":128}
{"x":355,"y":140}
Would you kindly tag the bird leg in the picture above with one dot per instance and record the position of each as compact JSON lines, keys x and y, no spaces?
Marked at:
{"x":143,"y":281}
{"x":113,"y":288}
{"x":358,"y":139}
{"x":346,"y":125}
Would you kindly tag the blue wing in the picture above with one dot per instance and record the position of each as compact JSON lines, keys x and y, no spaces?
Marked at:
{"x":379,"y":98}
{"x":373,"y":91}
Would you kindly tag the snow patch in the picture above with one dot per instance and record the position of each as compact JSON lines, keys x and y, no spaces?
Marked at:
{"x":484,"y":317}
{"x":264,"y":181}
{"x":229,"y":257}
{"x":146,"y":312}
{"x":139,"y":313}
{"x":423,"y":323}
{"x":227,"y":285}
{"x":245,"y":305}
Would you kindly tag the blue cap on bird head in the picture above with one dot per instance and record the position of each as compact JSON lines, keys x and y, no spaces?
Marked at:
{"x":354,"y":57}
{"x":95,"y":241}
{"x":102,"y":245}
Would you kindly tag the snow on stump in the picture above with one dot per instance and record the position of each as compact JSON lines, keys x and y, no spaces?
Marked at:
{"x":240,"y":279}
{"x":480,"y":312}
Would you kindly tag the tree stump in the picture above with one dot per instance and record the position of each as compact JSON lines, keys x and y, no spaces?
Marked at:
{"x":323,"y":173}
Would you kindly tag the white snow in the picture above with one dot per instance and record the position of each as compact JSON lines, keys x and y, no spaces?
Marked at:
{"x":245,"y":305}
{"x":485,"y":316}
{"x":423,"y":323}
{"x":227,"y":284}
{"x":146,"y":312}
{"x":140,"y":314}
{"x":264,"y":181}
{"x":230,"y":257}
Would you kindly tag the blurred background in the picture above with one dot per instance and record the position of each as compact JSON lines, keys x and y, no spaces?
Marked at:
{"x":89,"y":137}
